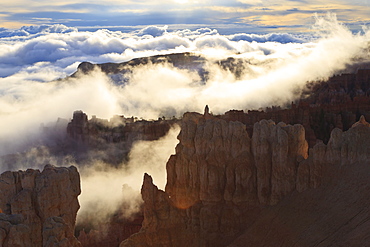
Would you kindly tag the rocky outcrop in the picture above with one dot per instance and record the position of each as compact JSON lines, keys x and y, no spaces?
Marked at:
{"x":220,"y":178}
{"x":109,"y":140}
{"x":326,"y":105}
{"x":277,"y":150}
{"x":39,"y":208}
{"x":163,"y":225}
{"x":13,"y":232}
{"x":344,"y":148}
{"x":336,"y":212}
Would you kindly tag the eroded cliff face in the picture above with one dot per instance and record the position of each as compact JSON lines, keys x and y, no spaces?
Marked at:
{"x":333,"y":213}
{"x":220,"y":178}
{"x":335,"y":103}
{"x":39,"y":208}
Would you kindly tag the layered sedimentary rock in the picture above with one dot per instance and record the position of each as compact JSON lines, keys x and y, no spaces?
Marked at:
{"x":336,"y":212}
{"x":220,"y":178}
{"x":39,"y":208}
{"x":277,"y":149}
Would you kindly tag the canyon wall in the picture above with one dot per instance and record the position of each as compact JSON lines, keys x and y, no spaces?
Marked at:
{"x":220,"y":179}
{"x":39,"y":208}
{"x":323,"y":106}
{"x":336,"y":212}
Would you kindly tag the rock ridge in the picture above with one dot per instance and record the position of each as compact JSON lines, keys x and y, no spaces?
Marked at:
{"x":219,"y":177}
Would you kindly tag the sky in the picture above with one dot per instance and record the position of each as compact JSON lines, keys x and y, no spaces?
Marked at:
{"x":227,"y":16}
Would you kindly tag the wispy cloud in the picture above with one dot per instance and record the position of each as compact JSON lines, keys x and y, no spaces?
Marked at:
{"x":261,"y":15}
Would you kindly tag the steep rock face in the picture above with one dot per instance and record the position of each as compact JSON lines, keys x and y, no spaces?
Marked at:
{"x":343,"y":148}
{"x":163,"y":225}
{"x":13,"y":232}
{"x":209,"y":151}
{"x":336,"y":212}
{"x":217,"y":161}
{"x":277,"y":149}
{"x":220,"y":180}
{"x":44,"y":205}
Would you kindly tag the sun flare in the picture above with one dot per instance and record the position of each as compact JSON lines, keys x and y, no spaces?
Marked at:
{"x":181,"y":1}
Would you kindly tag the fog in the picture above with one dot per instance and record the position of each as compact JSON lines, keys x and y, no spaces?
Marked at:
{"x":106,"y":189}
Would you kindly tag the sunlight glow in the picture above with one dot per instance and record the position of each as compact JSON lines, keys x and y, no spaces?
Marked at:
{"x":181,"y":1}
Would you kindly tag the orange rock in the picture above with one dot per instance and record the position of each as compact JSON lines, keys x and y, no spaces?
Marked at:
{"x":31,"y":199}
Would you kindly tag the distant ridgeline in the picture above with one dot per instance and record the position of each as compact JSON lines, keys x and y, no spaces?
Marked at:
{"x":190,"y":61}
{"x":119,"y":71}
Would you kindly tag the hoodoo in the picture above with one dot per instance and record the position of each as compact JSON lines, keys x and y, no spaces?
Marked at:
{"x":220,"y":180}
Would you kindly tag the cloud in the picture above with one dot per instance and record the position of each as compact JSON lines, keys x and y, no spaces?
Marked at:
{"x":282,"y":38}
{"x":214,"y":41}
{"x":39,"y":29}
{"x":59,"y":45}
{"x":153,"y":31}
{"x":26,"y":103}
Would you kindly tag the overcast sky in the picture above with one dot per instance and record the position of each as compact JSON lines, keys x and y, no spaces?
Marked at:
{"x":228,"y":16}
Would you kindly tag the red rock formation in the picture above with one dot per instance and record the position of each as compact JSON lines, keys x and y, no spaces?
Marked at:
{"x":219,"y":178}
{"x":335,"y":103}
{"x":13,"y":232}
{"x":336,"y":212}
{"x":39,"y":208}
{"x":277,"y":149}
{"x":163,"y":224}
